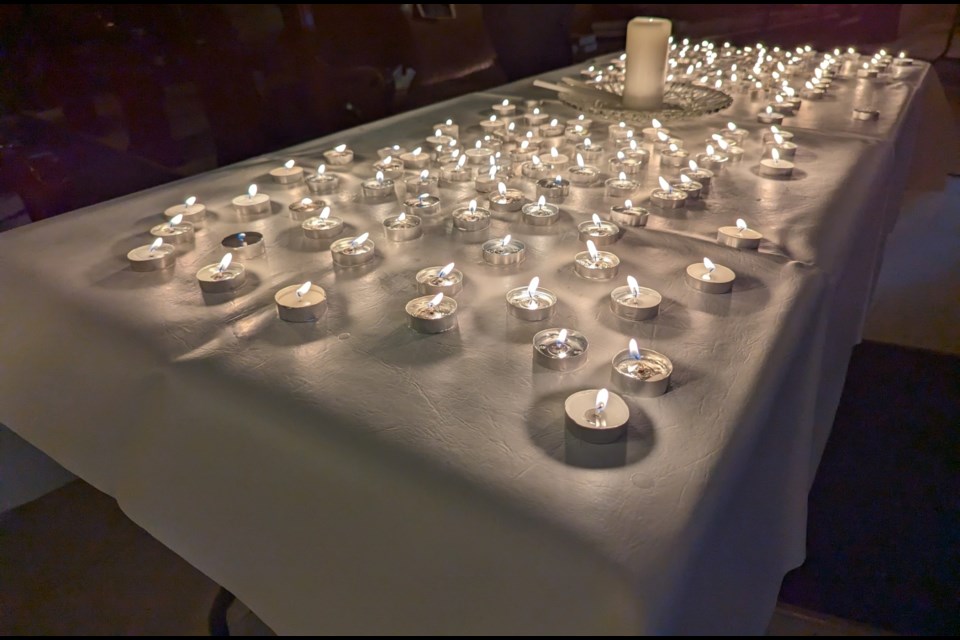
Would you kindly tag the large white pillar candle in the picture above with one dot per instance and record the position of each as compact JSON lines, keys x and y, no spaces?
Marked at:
{"x":647,"y":45}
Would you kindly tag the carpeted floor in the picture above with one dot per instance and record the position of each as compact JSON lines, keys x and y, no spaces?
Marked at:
{"x":884,"y":524}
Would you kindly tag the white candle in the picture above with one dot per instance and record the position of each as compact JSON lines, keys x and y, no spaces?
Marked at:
{"x":647,"y":43}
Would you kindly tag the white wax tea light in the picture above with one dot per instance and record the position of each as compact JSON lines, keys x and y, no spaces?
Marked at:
{"x":629,"y":215}
{"x":192,"y":212}
{"x":323,"y":182}
{"x":152,"y":257}
{"x":633,"y":302}
{"x":322,"y":226}
{"x":641,"y":372}
{"x":471,"y":217}
{"x":709,"y":277}
{"x":697,"y":174}
{"x":253,"y":203}
{"x":338,"y":156}
{"x":456,"y":172}
{"x":422,"y":183}
{"x":601,"y":232}
{"x":674,"y":156}
{"x":554,"y":189}
{"x":505,"y":108}
{"x":739,"y":236}
{"x":502,"y":252}
{"x":688,"y":186}
{"x":174,"y":231}
{"x":352,"y":252}
{"x":620,"y":187}
{"x":423,"y":204}
{"x":289,"y":173}
{"x":596,"y":416}
{"x":560,"y":349}
{"x":540,"y":213}
{"x":446,"y":280}
{"x":378,"y":189}
{"x":531,"y":303}
{"x":432,"y":314}
{"x":223,"y":277}
{"x":594,"y":264}
{"x":775,"y":167}
{"x":769,"y":116}
{"x":589,"y":151}
{"x":301,"y":303}
{"x":650,"y":133}
{"x":506,"y":200}
{"x":666,"y":197}
{"x":415,"y":159}
{"x":785,"y":148}
{"x":403,"y":227}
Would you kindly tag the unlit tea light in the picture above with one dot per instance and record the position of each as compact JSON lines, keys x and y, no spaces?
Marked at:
{"x":245,"y":245}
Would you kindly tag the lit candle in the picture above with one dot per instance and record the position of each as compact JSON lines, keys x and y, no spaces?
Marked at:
{"x":554,"y":190}
{"x":589,"y":151}
{"x":502,"y":252}
{"x":664,"y":141}
{"x":191,"y":210}
{"x":531,"y":303}
{"x":560,"y":349}
{"x":174,"y":231}
{"x":688,"y":186}
{"x":787,"y":149}
{"x":740,"y":236}
{"x":323,"y":182}
{"x":403,"y":227}
{"x":768,"y":136}
{"x":245,"y":244}
{"x":867,"y":71}
{"x":732,"y":151}
{"x":552,"y":129}
{"x":811,"y":91}
{"x":556,"y":162}
{"x":712,"y":159}
{"x":352,"y":252}
{"x":446,"y":280}
{"x":322,"y":226}
{"x":533,"y":169}
{"x":415,"y":159}
{"x":305,"y":208}
{"x":535,"y":117}
{"x":674,"y":157}
{"x":575,"y":134}
{"x":440,"y":139}
{"x":395,"y":151}
{"x":596,"y":415}
{"x":647,"y":42}
{"x":769,"y":116}
{"x":505,"y":108}
{"x":582,"y":121}
{"x":492,"y":125}
{"x":392,"y":168}
{"x":601,"y":232}
{"x":620,"y":187}
{"x":540,"y":213}
{"x":301,"y":303}
{"x":471,"y":217}
{"x":666,"y":197}
{"x":709,"y":277}
{"x":223,"y":277}
{"x":734,"y":133}
{"x":642,"y":372}
{"x":456,"y":172}
{"x":633,"y":302}
{"x":620,"y":132}
{"x":695,"y":173}
{"x":775,"y":167}
{"x":423,"y":204}
{"x":478,"y":154}
{"x":593,"y":264}
{"x":252,"y":203}
{"x":432,"y":314}
{"x":781,"y":106}
{"x":523,"y":153}
{"x":422,"y":183}
{"x":447,"y":128}
{"x":152,"y":257}
{"x":650,"y":133}
{"x":902,"y":60}
{"x":289,"y":173}
{"x":338,"y":156}
{"x":629,"y":215}
{"x":506,"y":200}
{"x":635,"y":152}
{"x":378,"y":189}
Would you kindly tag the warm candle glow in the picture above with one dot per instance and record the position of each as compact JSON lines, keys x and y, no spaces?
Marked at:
{"x":634,"y":349}
{"x":628,"y":204}
{"x":340,"y":148}
{"x":633,"y":285}
{"x":693,"y":166}
{"x":622,"y":177}
{"x":562,"y":337}
{"x":775,"y":155}
{"x":462,"y":160}
{"x":710,"y":150}
{"x":189,"y":202}
{"x":580,"y":161}
{"x":303,"y":289}
{"x":603,"y":396}
{"x":325,"y":213}
{"x":664,"y":185}
{"x":224,"y":262}
{"x":175,"y":220}
{"x":502,"y":189}
{"x":778,"y":138}
{"x":289,"y":164}
{"x":156,"y":244}
{"x":437,"y":299}
{"x":662,"y":136}
{"x":586,"y":143}
{"x":506,"y":240}
{"x":402,"y":216}
{"x":360,"y":239}
{"x":472,"y":207}
{"x":741,"y":224}
{"x":447,"y":270}
{"x":592,"y":250}
{"x":379,"y":177}
{"x":655,"y":123}
{"x":252,"y":190}
{"x":322,"y":169}
{"x":532,"y":287}
{"x":674,"y":148}
{"x":731,"y":126}
{"x":685,"y":179}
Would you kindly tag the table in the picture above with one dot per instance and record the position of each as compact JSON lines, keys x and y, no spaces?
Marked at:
{"x":355,"y":477}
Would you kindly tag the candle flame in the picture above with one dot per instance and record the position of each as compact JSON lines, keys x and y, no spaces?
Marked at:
{"x":633,"y":145}
{"x":664,"y":184}
{"x":156,"y":244}
{"x":580,"y":161}
{"x":541,"y":201}
{"x":437,"y":133}
{"x":633,"y":285}
{"x":577,"y":128}
{"x":628,"y":204}
{"x":778,"y":99}
{"x":505,"y":102}
{"x":634,"y":349}
{"x":622,"y":177}
{"x":662,"y":136}
{"x":866,"y":65}
{"x":506,"y":240}
{"x":447,"y":270}
{"x":402,"y":216}
{"x":902,"y":55}
{"x":554,"y":122}
{"x":532,"y":287}
{"x":731,"y":126}
{"x":656,"y":123}
{"x":380,"y":176}
{"x":685,"y":179}
{"x":175,"y":220}
{"x":553,"y":152}
{"x":493,"y":171}
{"x":774,"y":129}
{"x":252,"y":190}
{"x":524,"y":145}
{"x":709,"y":266}
{"x":710,"y":150}
{"x":501,"y":188}
{"x":775,"y":155}
{"x":562,"y":337}
{"x":778,"y":138}
{"x":603,"y":396}
{"x":621,"y":156}
{"x":325,"y":213}
{"x":592,"y":250}
{"x":322,"y":169}
{"x":477,"y":145}
{"x":437,"y":299}
{"x":586,"y":143}
{"x":512,"y":127}
{"x":225,"y":262}
{"x":387,"y":161}
{"x":289,"y":164}
{"x":493,"y":118}
{"x":360,"y":239}
{"x":535,"y":160}
{"x":741,"y":224}
{"x":462,"y":160}
{"x":340,"y":148}
{"x":674,"y":148}
{"x":424,"y":175}
{"x":558,"y":181}
{"x":449,"y":122}
{"x":693,"y":166}
{"x":472,"y":206}
{"x":723,"y":144}
{"x":452,"y":144}
{"x":302,"y":289}
{"x":769,"y":110}
{"x":808,"y":85}
{"x":623,"y":124}
{"x":596,"y":219}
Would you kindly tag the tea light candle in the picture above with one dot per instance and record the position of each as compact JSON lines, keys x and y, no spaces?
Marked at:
{"x":535,"y":141}
{"x":650,"y":133}
{"x":866,"y":71}
{"x":152,"y":257}
{"x":174,"y":231}
{"x":674,"y":157}
{"x":191,"y":210}
{"x":456,"y":172}
{"x":666,"y":197}
{"x":712,"y":159}
{"x":787,"y":149}
{"x":633,"y":302}
{"x":556,"y":161}
{"x":620,"y":132}
{"x":732,"y":151}
{"x":505,"y":251}
{"x":582,"y":121}
{"x":575,"y":134}
{"x":505,"y":108}
{"x":709,"y":277}
{"x":533,"y":169}
{"x":768,"y":136}
{"x":394,"y":151}
{"x":471,"y":217}
{"x":642,"y":372}
{"x":536,"y":117}
{"x":774,"y":167}
{"x":596,"y":416}
{"x":687,"y":186}
{"x":448,"y":153}
{"x":769,"y":116}
{"x":289,"y":173}
{"x":478,"y":154}
{"x":811,"y":91}
{"x":352,"y":252}
{"x":432,"y":314}
{"x":540,"y":213}
{"x":377,"y":189}
{"x":402,"y":228}
{"x":246,"y":245}
{"x":620,"y":187}
{"x":447,"y":128}
{"x":338,"y":156}
{"x":506,"y":200}
{"x":590,"y":153}
{"x":865,"y":113}
{"x":446,"y":280}
{"x":523,"y":153}
{"x":301,"y":303}
{"x":305,"y":208}
{"x":222,"y":277}
{"x":415,"y":159}
{"x":902,"y":60}
{"x":664,"y":141}
{"x":635,"y":152}
{"x":740,"y":236}
{"x":440,"y":139}
{"x":252,"y":203}
{"x":734,"y":133}
{"x":552,"y":129}
{"x":582,"y":175}
{"x":493,"y":142}
{"x":695,"y":173}
{"x":487,"y":182}
{"x":599,"y":231}
{"x":422,"y":205}
{"x":422,"y":183}
{"x":779,"y":105}
{"x":323,"y":182}
{"x":492,"y":125}
{"x":629,"y":215}
{"x":596,"y":265}
{"x":560,"y":349}
{"x":553,"y":190}
{"x":531,"y":303}
{"x":322,"y":226}
{"x":392,"y":168}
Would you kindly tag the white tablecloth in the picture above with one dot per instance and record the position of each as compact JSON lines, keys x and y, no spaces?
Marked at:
{"x":355,"y":477}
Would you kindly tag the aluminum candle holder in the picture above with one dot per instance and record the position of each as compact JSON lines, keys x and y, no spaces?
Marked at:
{"x":620,"y":132}
{"x":633,"y":151}
{"x":245,"y":245}
{"x":531,"y":303}
{"x":415,"y":159}
{"x":479,"y":155}
{"x":535,"y":117}
{"x":423,"y":183}
{"x":740,"y":236}
{"x":252,"y":203}
{"x":666,"y":197}
{"x":533,"y":169}
{"x":674,"y":157}
{"x":445,"y":280}
{"x":600,"y":231}
{"x":554,"y":190}
{"x":403,"y":227}
{"x":664,"y":143}
{"x":322,"y":226}
{"x":224,"y":277}
{"x":596,"y":265}
{"x":712,"y":160}
{"x":522,"y":154}
{"x":191,"y":210}
{"x":735,"y":134}
{"x":487,"y":182}
{"x":352,"y":252}
{"x":289,"y":173}
{"x":560,"y":349}
{"x":540,"y":213}
{"x":502,"y":252}
{"x":505,"y":108}
{"x":591,"y":153}
{"x":687,"y":186}
{"x":555,"y":162}
{"x":620,"y":187}
{"x":339,"y":156}
{"x":709,"y":277}
{"x":395,"y":151}
{"x":493,"y":125}
{"x":390,"y":167}
{"x":633,"y":302}
{"x":787,"y":149}
{"x":506,"y":200}
{"x":589,"y":422}
{"x":432,"y":314}
{"x":422,"y":205}
{"x":323,"y":182}
{"x":641,"y":372}
{"x":174,"y":232}
{"x":775,"y":167}
{"x":621,"y":164}
{"x":768,"y":136}
{"x":440,"y":139}
{"x":628,"y":215}
{"x":580,"y":120}
{"x":552,"y":129}
{"x":575,"y":135}
{"x":769,"y":116}
{"x":456,"y":173}
{"x":305,"y":208}
{"x":650,"y":134}
{"x":152,"y":257}
{"x":471,"y":217}
{"x":301,"y":303}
